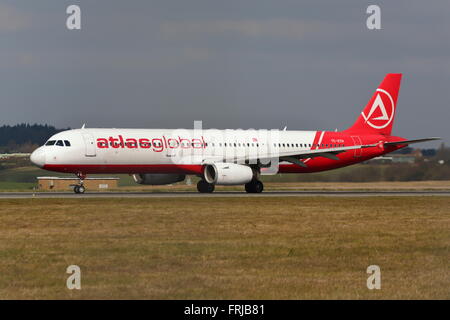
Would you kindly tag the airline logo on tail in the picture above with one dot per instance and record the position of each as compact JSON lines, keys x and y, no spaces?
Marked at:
{"x":382,"y":111}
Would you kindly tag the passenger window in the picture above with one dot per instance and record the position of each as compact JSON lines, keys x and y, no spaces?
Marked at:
{"x":50,"y":143}
{"x":60,"y":143}
{"x":67,"y":143}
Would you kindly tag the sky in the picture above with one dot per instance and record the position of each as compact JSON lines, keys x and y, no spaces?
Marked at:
{"x":306,"y":65}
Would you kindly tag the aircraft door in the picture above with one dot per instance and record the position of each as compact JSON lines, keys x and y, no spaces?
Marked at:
{"x":357,"y":142}
{"x":89,"y":143}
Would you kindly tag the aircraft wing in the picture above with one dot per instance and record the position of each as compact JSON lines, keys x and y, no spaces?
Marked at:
{"x":411,"y":141}
{"x":293,"y":156}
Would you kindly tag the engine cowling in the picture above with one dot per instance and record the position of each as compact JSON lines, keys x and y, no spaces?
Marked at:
{"x":157,"y":178}
{"x":227,"y":173}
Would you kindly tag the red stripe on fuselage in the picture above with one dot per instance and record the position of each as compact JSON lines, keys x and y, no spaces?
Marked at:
{"x":125,"y":168}
{"x":316,"y":139}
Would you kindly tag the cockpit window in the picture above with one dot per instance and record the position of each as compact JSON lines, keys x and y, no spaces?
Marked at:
{"x":50,"y":143}
{"x":60,"y":143}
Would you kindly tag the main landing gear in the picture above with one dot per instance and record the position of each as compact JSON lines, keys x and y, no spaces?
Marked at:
{"x":79,"y":188}
{"x":254,"y":186}
{"x":205,"y":187}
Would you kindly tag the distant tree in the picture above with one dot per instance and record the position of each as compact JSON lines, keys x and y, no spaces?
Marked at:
{"x":27,"y":147}
{"x":23,"y":136}
{"x":406,"y":150}
{"x":428,"y":152}
{"x":443,"y":153}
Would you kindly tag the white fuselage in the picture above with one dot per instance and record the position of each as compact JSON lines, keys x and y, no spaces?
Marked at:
{"x":166,"y":146}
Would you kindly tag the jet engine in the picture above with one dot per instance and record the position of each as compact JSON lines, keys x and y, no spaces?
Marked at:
{"x":227,"y":173}
{"x":157,"y":178}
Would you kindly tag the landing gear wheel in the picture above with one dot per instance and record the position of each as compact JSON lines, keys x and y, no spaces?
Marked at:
{"x":205,"y":187}
{"x":81,"y":189}
{"x":254,"y":186}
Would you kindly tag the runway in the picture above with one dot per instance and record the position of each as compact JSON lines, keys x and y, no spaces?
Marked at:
{"x":234,"y":194}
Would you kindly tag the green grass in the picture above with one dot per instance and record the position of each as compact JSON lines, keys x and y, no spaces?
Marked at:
{"x":24,"y":178}
{"x":20,"y":179}
{"x":226,"y":248}
{"x":16,"y":186}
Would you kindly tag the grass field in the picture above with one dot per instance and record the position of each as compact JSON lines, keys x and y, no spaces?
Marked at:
{"x":226,"y":248}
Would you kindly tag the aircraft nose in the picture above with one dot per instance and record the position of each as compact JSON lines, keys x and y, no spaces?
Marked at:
{"x":38,"y":157}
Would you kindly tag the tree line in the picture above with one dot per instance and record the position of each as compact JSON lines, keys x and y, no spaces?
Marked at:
{"x":24,"y":137}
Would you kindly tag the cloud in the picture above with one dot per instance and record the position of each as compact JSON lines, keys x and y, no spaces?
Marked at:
{"x":12,"y":20}
{"x":272,"y":28}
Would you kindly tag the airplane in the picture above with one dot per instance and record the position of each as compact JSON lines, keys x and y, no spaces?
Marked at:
{"x":224,"y":157}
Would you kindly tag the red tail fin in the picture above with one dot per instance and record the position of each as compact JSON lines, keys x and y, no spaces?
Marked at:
{"x":378,"y":115}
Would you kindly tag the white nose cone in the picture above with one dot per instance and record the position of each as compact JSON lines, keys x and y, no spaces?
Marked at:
{"x":38,"y":157}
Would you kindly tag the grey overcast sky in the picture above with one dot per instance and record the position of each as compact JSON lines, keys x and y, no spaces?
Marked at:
{"x":233,"y":64}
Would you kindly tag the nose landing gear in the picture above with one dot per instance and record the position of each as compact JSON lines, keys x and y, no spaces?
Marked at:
{"x":79,"y":188}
